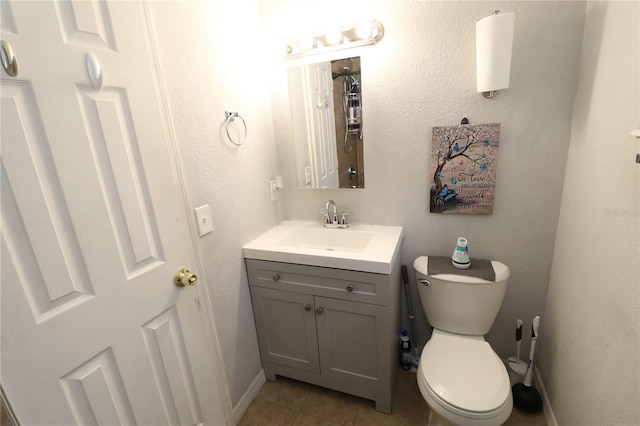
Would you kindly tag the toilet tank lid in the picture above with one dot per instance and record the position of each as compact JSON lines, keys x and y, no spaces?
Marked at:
{"x":502,"y":273}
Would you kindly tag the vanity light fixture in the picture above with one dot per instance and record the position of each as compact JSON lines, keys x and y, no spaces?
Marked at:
{"x":345,"y":38}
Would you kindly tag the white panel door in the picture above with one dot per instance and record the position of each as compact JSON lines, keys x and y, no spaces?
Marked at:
{"x":93,"y":229}
{"x":319,"y":81}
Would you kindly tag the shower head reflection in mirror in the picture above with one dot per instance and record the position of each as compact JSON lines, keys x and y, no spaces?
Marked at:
{"x":326,"y":115}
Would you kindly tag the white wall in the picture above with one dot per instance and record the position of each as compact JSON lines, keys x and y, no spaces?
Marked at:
{"x":590,"y":342}
{"x":422,"y":74}
{"x":211,"y":63}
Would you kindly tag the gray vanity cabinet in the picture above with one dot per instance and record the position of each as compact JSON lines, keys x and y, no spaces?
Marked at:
{"x":330,"y":327}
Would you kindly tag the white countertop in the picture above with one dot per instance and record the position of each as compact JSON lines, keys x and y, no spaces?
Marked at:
{"x":368,"y":248}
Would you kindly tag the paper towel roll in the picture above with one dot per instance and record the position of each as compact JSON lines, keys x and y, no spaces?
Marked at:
{"x":494,"y":42}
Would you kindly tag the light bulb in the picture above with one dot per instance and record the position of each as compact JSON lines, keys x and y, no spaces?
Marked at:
{"x":364,"y":30}
{"x":307,"y":43}
{"x":334,"y":37}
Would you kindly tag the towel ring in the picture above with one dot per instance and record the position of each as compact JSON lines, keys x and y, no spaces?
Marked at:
{"x":231,"y":116}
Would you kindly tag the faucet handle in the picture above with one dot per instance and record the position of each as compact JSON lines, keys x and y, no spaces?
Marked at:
{"x":343,"y":217}
{"x":327,"y":219}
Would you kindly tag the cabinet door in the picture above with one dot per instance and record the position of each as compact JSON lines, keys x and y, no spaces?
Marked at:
{"x":354,"y":342}
{"x":286,"y":328}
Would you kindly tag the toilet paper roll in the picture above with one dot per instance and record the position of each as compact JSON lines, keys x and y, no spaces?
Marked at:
{"x":494,"y":43}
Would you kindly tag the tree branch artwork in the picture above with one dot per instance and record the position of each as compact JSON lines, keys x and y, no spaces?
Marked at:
{"x":464,"y":160}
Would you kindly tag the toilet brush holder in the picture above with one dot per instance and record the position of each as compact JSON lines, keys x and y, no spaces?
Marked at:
{"x":514,"y":362}
{"x":516,"y":365}
{"x":525,"y":396}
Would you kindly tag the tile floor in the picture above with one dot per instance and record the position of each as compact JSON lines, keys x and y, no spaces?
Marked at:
{"x":289,"y":402}
{"x":4,"y":418}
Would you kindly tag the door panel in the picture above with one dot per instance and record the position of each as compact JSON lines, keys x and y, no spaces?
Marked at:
{"x":95,"y":392}
{"x":166,"y":349}
{"x":41,"y":240}
{"x":86,"y":24}
{"x":119,"y":164}
{"x":93,"y":329}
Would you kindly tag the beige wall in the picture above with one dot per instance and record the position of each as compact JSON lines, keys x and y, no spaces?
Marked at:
{"x":590,"y":339}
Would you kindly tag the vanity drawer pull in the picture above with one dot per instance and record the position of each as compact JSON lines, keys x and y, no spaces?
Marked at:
{"x":349,"y":288}
{"x":275,"y":277}
{"x":319,"y":311}
{"x":307,"y":307}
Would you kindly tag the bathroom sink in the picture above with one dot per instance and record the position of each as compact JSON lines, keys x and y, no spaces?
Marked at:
{"x":327,"y":239}
{"x":368,"y":248}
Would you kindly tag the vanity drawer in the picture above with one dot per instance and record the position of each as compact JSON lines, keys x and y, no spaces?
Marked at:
{"x":335,"y":283}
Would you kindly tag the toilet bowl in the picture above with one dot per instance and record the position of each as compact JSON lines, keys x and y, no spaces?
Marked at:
{"x":463,"y":381}
{"x":461,"y":378}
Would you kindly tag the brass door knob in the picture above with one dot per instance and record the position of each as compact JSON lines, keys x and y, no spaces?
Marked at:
{"x":184,"y":278}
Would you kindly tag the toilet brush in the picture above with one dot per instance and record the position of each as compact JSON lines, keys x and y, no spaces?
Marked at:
{"x":514,"y":362}
{"x":525,"y":396}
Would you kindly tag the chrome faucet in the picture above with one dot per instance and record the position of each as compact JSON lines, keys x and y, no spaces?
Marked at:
{"x":331,"y":216}
{"x":333,"y":219}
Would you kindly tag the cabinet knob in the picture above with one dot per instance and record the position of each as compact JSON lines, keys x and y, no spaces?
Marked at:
{"x":349,"y":287}
{"x":307,"y":307}
{"x":276,"y":277}
{"x":319,"y":311}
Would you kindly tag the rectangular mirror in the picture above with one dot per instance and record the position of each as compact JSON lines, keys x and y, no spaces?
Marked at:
{"x":326,"y":115}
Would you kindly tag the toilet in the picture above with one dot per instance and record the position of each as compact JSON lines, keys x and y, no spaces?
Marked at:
{"x":459,"y":375}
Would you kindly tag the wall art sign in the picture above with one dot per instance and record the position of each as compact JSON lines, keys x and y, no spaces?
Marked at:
{"x":463,"y":162}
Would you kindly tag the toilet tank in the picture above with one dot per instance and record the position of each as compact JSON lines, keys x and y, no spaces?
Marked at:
{"x":458,"y":303}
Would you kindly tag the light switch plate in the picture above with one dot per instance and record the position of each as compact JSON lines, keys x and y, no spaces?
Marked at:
{"x":203,"y":218}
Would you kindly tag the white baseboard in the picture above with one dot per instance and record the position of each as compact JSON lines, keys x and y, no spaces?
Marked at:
{"x":546,"y":403}
{"x":248,"y":397}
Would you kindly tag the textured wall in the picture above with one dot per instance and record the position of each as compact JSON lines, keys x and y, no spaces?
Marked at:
{"x":422,"y":74}
{"x":590,"y":345}
{"x":210,"y":64}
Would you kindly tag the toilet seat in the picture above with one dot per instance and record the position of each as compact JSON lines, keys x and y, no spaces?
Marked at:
{"x":464,"y":376}
{"x":465,"y":372}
